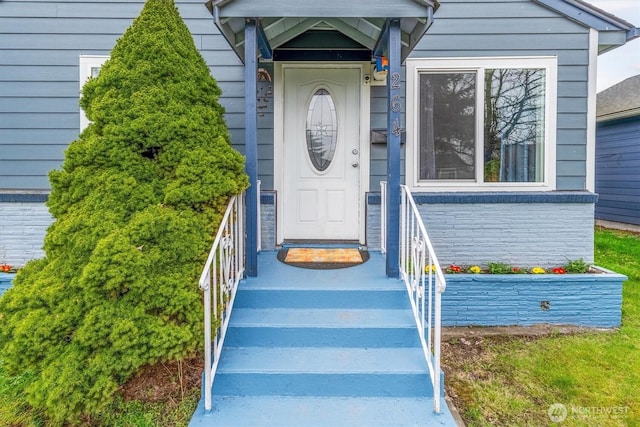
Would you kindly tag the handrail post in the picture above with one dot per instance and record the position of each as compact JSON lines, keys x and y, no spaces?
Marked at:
{"x":207,"y":349}
{"x":436,"y":348}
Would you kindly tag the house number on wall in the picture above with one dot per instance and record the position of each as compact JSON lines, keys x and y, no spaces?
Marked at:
{"x":396,"y":103}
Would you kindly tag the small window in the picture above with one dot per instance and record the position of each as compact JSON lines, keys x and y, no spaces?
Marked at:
{"x":321,"y":129}
{"x":89,"y":68}
{"x":481,"y":122}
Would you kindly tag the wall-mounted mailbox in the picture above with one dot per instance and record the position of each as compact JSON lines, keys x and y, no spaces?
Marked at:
{"x":379,"y":136}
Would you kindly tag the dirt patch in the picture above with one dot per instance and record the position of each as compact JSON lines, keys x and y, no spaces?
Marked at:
{"x":166,"y":382}
{"x":540,"y":330}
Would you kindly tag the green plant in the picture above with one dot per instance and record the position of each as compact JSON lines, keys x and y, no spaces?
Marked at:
{"x":576,"y":266}
{"x":499,"y":268}
{"x":136,"y":202}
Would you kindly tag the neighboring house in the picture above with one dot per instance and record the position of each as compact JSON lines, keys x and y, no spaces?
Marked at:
{"x":487,"y":114}
{"x":618,"y":153}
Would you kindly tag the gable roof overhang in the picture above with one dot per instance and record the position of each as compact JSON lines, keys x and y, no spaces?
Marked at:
{"x":364,"y":21}
{"x":613,"y":32}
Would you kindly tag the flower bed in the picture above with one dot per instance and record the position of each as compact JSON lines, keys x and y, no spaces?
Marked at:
{"x":592,"y":299}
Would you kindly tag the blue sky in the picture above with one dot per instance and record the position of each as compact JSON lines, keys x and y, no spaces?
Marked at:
{"x":624,"y":62}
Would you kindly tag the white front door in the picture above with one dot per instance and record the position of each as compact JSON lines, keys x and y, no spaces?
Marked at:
{"x":321,"y":153}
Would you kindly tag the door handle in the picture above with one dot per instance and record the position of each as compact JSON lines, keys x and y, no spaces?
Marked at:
{"x":355,"y":164}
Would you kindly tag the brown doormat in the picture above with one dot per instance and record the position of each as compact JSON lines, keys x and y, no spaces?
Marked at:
{"x":323,"y":258}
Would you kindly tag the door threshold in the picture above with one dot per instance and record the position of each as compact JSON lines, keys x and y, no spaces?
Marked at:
{"x":321,"y":244}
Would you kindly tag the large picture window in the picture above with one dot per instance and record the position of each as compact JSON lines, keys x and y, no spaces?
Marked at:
{"x":481,"y":122}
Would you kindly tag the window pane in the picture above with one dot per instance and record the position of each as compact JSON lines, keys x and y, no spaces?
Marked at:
{"x":322,"y":127}
{"x":514,"y":125}
{"x":447,"y":125}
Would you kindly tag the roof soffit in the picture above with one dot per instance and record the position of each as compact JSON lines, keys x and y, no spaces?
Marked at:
{"x":363,"y":21}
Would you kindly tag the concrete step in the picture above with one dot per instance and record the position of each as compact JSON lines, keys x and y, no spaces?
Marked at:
{"x":321,"y":327}
{"x":294,"y":371}
{"x":315,"y":298}
{"x":295,"y":360}
{"x":283,"y":411}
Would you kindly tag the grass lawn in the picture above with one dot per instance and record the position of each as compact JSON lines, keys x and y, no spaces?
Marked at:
{"x":513,"y":381}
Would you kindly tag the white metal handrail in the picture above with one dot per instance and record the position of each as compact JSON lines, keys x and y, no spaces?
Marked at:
{"x":219,"y":281}
{"x":425,"y":283}
{"x":383,"y":216}
{"x":259,"y":217}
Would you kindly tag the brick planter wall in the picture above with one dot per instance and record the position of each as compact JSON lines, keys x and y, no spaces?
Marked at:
{"x":593,"y":300}
{"x":5,"y":282}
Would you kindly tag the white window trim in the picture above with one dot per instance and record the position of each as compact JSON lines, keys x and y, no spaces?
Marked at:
{"x":87,"y":62}
{"x":590,"y":184}
{"x":415,"y":66}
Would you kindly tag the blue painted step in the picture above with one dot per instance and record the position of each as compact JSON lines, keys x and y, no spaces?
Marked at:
{"x":285,"y":411}
{"x":300,"y":298}
{"x":323,"y":372}
{"x":319,"y":348}
{"x":321,"y":327}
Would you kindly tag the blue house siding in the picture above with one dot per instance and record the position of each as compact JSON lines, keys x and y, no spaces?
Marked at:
{"x":464,"y":28}
{"x":40,"y":45}
{"x":617,"y":166}
{"x":41,"y":42}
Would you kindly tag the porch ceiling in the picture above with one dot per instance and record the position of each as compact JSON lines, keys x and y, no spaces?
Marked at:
{"x":283,"y":20}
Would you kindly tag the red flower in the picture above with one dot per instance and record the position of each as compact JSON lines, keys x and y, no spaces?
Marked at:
{"x":559,"y":270}
{"x":454,"y":269}
{"x":5,"y":268}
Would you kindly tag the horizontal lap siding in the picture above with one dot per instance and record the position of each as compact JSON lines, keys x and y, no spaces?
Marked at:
{"x":40,"y":45}
{"x":617,"y":166}
{"x":465,"y":28}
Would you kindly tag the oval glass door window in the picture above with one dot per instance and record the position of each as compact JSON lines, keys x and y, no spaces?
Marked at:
{"x":322,"y":129}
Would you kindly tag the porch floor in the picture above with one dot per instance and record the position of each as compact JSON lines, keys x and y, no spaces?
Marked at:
{"x":322,"y":347}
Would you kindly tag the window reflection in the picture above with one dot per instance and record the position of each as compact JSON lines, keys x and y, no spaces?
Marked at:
{"x":321,"y":129}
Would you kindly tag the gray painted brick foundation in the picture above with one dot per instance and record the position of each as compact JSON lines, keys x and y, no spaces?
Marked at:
{"x":527,"y":233}
{"x":23,"y":226}
{"x":268,"y":220}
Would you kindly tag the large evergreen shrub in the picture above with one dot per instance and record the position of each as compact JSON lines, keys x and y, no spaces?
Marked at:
{"x":137,"y":201}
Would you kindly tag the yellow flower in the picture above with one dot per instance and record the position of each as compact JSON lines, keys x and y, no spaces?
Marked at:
{"x":475,"y":269}
{"x":431,"y":267}
{"x":538,"y":270}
